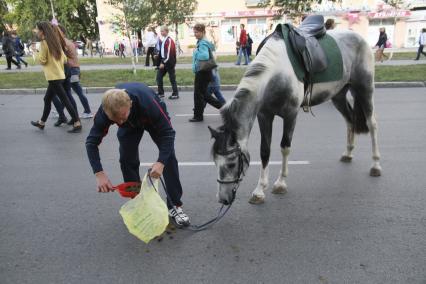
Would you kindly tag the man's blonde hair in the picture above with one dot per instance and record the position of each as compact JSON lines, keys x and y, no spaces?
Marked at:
{"x":113,"y":100}
{"x":164,"y":28}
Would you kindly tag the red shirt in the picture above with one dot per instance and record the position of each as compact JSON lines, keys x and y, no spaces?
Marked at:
{"x":243,"y":37}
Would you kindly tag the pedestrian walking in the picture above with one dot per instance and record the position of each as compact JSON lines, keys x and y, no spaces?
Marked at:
{"x":135,"y":108}
{"x":122,"y":48}
{"x":72,"y":81}
{"x":167,"y":59}
{"x":330,"y":24}
{"x":9,"y":50}
{"x":101,"y":49}
{"x":422,"y":43}
{"x":52,"y":58}
{"x":214,"y":86}
{"x":202,"y":79}
{"x":83,"y":45}
{"x":19,"y":49}
{"x":381,"y":45}
{"x":150,"y":42}
{"x":116,"y":48}
{"x":243,"y":47}
{"x":90,"y":47}
{"x":249,"y":45}
{"x":140,"y":47}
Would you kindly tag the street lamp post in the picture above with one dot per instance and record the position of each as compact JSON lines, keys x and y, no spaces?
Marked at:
{"x":54,"y":21}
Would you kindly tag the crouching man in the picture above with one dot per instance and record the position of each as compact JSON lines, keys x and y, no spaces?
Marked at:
{"x":135,"y":108}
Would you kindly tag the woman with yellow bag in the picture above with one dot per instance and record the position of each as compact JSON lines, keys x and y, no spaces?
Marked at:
{"x":135,"y":107}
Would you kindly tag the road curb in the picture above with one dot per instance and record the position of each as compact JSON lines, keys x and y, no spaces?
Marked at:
{"x":94,"y":90}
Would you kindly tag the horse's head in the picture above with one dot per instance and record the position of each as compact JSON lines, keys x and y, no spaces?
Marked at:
{"x":231,"y":162}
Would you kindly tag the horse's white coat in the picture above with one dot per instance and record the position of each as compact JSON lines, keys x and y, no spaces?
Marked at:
{"x":358,"y":74}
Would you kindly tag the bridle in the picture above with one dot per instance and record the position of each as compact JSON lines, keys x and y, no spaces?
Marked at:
{"x":222,"y":210}
{"x":241,"y":159}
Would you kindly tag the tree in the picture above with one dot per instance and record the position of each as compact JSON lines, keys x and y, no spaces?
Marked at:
{"x":3,"y":12}
{"x":132,"y":15}
{"x":175,"y":12}
{"x":292,"y":8}
{"x":77,"y":16}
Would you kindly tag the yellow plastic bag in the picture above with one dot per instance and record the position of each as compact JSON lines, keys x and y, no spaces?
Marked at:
{"x":146,"y":216}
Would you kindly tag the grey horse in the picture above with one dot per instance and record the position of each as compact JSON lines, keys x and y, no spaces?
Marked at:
{"x":270,"y":88}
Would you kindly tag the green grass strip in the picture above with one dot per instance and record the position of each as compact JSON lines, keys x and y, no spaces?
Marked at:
{"x":106,"y":78}
{"x":183,"y":59}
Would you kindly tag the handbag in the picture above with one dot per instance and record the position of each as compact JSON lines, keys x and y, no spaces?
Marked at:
{"x":207,"y":65}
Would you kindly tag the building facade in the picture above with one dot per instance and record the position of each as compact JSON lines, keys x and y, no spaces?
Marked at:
{"x":223,"y":19}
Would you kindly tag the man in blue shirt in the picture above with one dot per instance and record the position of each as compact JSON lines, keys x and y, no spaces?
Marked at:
{"x":135,"y":107}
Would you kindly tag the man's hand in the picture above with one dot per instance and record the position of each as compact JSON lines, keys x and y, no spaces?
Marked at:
{"x":157,"y":170}
{"x":161,"y":66}
{"x":103,"y":183}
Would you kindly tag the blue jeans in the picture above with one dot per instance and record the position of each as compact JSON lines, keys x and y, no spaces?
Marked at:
{"x":68,"y":85}
{"x":214,"y":87}
{"x":243,"y":50}
{"x":19,"y":59}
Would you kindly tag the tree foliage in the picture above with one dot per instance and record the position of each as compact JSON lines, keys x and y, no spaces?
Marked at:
{"x":138,"y":14}
{"x":78,"y":16}
{"x":3,"y":12}
{"x":291,"y":8}
{"x":175,"y":11}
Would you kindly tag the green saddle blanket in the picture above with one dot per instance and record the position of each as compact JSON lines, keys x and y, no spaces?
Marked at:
{"x":334,"y":70}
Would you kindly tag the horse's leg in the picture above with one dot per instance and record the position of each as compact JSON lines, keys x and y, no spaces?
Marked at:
{"x":280,"y":186}
{"x":364,"y":106}
{"x":342,"y":105}
{"x":265,"y":125}
{"x":376,"y":169}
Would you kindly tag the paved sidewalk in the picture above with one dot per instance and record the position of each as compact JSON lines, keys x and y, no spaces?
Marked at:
{"x":141,"y":66}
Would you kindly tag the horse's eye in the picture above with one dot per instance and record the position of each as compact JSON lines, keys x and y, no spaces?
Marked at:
{"x":231,"y":166}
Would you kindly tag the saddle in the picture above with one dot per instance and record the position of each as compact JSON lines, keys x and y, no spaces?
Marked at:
{"x":304,"y":42}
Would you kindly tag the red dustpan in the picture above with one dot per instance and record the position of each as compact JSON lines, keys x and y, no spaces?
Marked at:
{"x":128,"y":189}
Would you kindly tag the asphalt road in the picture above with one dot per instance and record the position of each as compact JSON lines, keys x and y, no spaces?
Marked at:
{"x":335,"y":225}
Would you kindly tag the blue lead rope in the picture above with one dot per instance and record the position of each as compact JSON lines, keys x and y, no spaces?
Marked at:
{"x":195,"y":228}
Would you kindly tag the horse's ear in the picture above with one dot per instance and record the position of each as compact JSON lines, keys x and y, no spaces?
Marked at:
{"x":213,"y":132}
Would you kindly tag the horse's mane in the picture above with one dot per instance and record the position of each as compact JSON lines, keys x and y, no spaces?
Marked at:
{"x":277,"y":33}
{"x":230,"y":122}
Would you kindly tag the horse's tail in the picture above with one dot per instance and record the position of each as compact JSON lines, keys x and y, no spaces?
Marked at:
{"x":359,"y":119}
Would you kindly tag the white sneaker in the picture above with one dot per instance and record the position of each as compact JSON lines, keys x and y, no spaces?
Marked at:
{"x":178,"y":217}
{"x":86,"y":115}
{"x":54,"y":114}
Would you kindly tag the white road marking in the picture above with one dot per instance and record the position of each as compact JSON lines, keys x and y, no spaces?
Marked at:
{"x":254,"y":163}
{"x":191,"y":114}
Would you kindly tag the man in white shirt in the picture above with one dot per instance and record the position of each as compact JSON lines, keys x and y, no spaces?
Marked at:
{"x":167,"y":63}
{"x":151,"y":41}
{"x":422,"y":43}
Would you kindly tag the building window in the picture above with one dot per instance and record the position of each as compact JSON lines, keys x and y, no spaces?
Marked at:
{"x":253,"y":3}
{"x":228,"y":31}
{"x":257,"y":29}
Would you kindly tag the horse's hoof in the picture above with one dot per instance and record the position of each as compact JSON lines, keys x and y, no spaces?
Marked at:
{"x":254,"y":199}
{"x":375,"y":172}
{"x":346,"y":159}
{"x":279,"y":189}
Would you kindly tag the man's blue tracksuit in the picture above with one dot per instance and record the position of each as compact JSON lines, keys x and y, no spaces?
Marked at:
{"x":148,"y":113}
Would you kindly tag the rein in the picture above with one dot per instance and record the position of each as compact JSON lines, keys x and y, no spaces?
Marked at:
{"x":222,"y":210}
{"x":196,"y":228}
